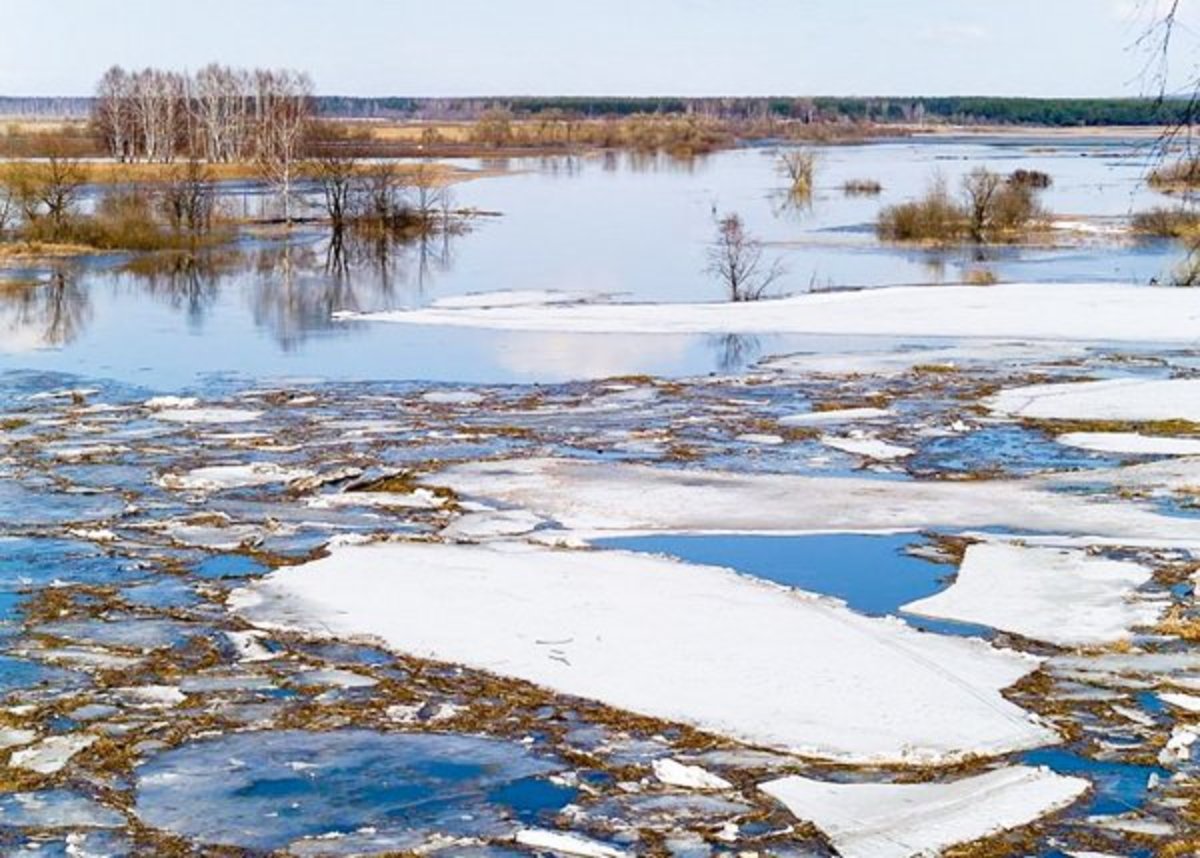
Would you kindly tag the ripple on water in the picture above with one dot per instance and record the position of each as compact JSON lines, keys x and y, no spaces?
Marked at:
{"x":266,"y":790}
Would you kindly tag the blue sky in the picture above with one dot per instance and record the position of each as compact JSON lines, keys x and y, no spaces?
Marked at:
{"x":575,"y":47}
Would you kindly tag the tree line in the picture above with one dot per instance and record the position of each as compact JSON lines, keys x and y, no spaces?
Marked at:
{"x":218,"y":114}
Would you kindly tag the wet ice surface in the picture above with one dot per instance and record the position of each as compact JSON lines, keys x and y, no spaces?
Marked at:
{"x":407,"y":788}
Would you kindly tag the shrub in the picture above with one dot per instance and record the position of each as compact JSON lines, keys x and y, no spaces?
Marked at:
{"x":934,"y":218}
{"x":1014,"y":210}
{"x":1167,"y":222}
{"x":1183,"y":174}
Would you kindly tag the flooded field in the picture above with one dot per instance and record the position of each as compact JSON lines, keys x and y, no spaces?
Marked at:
{"x":315,"y":556}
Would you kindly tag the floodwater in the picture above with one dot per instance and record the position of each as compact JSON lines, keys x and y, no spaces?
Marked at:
{"x":115,"y":575}
{"x":633,"y":227}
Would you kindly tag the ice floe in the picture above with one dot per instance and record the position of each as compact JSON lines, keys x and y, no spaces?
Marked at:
{"x":693,"y":644}
{"x":1130,"y":399}
{"x":1090,"y":312}
{"x":675,"y":773}
{"x":901,"y":820}
{"x":835,"y":415}
{"x":217,"y":477}
{"x":207,"y":415}
{"x":51,"y":754}
{"x":1131,"y":442}
{"x":1062,"y":596}
{"x":563,"y":843}
{"x":866,"y":446}
{"x":609,"y":498}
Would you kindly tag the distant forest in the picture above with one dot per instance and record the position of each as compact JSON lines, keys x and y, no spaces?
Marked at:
{"x":958,"y":110}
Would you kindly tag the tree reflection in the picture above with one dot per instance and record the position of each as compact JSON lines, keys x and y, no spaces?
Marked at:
{"x":186,"y":281}
{"x":46,"y":314}
{"x":735,"y":352}
{"x":297,"y":289}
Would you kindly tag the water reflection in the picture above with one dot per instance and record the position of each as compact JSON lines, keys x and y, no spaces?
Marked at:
{"x":735,"y":352}
{"x":297,"y":288}
{"x":45,"y":314}
{"x":292,"y":288}
{"x":185,"y":281}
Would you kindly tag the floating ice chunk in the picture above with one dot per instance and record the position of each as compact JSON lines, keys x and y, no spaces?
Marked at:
{"x":902,"y":820}
{"x":1186,"y":702}
{"x":159,"y":402}
{"x":838,"y":415}
{"x":1131,"y":399}
{"x":1179,"y":746}
{"x":567,"y":844}
{"x":151,"y":696}
{"x":760,"y":438}
{"x":1131,"y":442}
{"x":208,"y":415}
{"x":674,"y":773}
{"x":1062,"y":596}
{"x":452,"y":397}
{"x":12,"y":737}
{"x":419,"y":498}
{"x":219,"y":477}
{"x":249,"y":646}
{"x":51,"y":754}
{"x":871,"y":448}
{"x":608,"y":498}
{"x":694,"y":644}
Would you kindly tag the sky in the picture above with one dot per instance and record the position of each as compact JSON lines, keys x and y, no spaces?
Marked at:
{"x":606,"y":47}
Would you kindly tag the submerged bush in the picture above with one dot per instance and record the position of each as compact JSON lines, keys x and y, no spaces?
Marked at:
{"x":861,"y":187}
{"x":799,"y":165}
{"x":1183,"y":174}
{"x":1035,"y":179}
{"x":935,"y":217}
{"x":1167,"y":222}
{"x":993,"y":208}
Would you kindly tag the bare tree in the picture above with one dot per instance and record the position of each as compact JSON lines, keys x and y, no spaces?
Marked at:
{"x":186,"y":197}
{"x":736,"y":258}
{"x":111,"y":114}
{"x":429,"y":197}
{"x":337,"y":177}
{"x":381,"y":197}
{"x":980,"y":188}
{"x":282,"y":130}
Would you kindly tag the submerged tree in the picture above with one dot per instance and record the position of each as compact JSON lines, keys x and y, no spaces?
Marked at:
{"x":736,"y":258}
